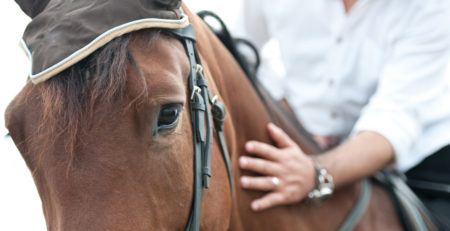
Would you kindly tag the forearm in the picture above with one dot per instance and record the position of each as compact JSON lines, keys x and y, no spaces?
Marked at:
{"x":359,"y":157}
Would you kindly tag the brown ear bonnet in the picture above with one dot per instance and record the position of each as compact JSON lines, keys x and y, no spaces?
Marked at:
{"x":63,"y":32}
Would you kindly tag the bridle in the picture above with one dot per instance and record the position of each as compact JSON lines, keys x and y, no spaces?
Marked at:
{"x":201,"y":101}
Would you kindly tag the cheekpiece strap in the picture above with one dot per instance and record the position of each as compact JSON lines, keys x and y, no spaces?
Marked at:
{"x":202,"y":124}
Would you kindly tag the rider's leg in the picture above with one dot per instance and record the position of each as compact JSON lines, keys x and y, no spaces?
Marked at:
{"x":435,"y":170}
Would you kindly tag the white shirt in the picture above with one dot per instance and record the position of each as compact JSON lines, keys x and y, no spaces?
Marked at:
{"x":380,"y":68}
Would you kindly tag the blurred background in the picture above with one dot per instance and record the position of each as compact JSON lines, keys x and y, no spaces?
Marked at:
{"x":20,"y":206}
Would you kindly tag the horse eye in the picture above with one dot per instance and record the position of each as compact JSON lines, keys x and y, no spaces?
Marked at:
{"x":168,"y":116}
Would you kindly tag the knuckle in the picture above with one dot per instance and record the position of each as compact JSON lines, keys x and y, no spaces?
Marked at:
{"x":261,"y":147}
{"x":258,"y":163}
{"x":290,"y":195}
{"x":249,"y":183}
{"x":283,"y":197}
{"x":268,"y":148}
{"x":263,"y":204}
{"x":268,"y":203}
{"x":266,"y":167}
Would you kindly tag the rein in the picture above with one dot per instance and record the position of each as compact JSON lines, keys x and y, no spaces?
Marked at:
{"x":201,"y":101}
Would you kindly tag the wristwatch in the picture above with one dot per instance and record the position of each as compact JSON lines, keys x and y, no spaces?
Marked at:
{"x":324,"y":185}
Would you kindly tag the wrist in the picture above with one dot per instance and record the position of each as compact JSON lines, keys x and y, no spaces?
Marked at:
{"x":324,"y":186}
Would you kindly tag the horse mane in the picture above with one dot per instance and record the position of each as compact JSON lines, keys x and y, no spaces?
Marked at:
{"x":70,"y":99}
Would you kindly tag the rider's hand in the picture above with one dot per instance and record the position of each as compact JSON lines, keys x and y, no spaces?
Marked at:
{"x":287,"y":162}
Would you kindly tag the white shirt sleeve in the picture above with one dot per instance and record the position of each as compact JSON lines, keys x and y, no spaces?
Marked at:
{"x":410,"y":83}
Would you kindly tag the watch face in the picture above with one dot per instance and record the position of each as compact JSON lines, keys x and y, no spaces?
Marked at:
{"x":325,"y":186}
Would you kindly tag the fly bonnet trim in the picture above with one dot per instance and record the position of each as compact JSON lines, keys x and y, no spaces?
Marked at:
{"x":65,"y":32}
{"x":98,"y":42}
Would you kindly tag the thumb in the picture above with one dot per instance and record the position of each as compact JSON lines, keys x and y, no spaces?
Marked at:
{"x":280,"y":137}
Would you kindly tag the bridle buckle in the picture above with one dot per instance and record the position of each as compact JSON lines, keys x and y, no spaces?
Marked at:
{"x":196,"y":89}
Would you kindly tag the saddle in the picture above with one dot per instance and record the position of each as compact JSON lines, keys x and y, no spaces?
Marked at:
{"x":413,"y":213}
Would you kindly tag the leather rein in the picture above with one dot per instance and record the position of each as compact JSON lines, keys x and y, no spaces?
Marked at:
{"x":201,"y":103}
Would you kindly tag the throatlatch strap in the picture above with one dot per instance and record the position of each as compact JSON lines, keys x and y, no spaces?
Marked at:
{"x":219,"y":112}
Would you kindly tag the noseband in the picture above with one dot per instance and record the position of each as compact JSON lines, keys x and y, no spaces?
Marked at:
{"x":201,"y":101}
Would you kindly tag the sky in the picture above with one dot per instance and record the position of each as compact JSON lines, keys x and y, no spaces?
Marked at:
{"x":20,"y":206}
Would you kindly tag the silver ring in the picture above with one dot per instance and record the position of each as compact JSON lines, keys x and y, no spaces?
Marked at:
{"x":275,"y":182}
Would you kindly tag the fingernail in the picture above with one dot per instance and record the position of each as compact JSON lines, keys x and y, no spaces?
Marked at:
{"x":249,"y":146}
{"x":273,"y":127}
{"x":243,"y":161}
{"x":255,"y":206}
{"x":244,"y":181}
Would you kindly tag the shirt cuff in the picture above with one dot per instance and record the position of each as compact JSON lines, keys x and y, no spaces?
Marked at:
{"x":398,"y":127}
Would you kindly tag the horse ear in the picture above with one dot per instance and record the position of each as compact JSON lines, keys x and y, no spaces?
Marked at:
{"x":171,"y":4}
{"x":32,"y":7}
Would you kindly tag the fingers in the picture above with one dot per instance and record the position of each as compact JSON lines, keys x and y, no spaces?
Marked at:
{"x":283,"y":162}
{"x":268,"y":151}
{"x":263,"y":183}
{"x":264,"y":150}
{"x":279,"y":136}
{"x":260,"y":166}
{"x":268,"y":201}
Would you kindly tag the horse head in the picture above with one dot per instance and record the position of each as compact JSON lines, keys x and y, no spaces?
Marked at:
{"x":109,"y":140}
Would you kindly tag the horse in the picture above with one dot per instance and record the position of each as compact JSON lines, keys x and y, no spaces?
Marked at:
{"x":109,"y":143}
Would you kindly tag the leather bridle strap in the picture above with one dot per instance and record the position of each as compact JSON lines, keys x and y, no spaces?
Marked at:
{"x":201,"y":119}
{"x":360,"y":207}
{"x":219,"y":113}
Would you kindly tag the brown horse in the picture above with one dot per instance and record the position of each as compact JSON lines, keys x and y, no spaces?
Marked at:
{"x":102,"y":157}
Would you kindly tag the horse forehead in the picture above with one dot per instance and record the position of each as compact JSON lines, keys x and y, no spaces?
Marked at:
{"x":164,"y":51}
{"x":163,"y":64}
{"x":164,"y":54}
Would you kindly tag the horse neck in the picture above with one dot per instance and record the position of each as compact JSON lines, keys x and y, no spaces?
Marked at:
{"x":250,"y":109}
{"x":247,"y":117}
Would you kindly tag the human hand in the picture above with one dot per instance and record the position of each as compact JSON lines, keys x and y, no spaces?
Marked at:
{"x":287,"y":162}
